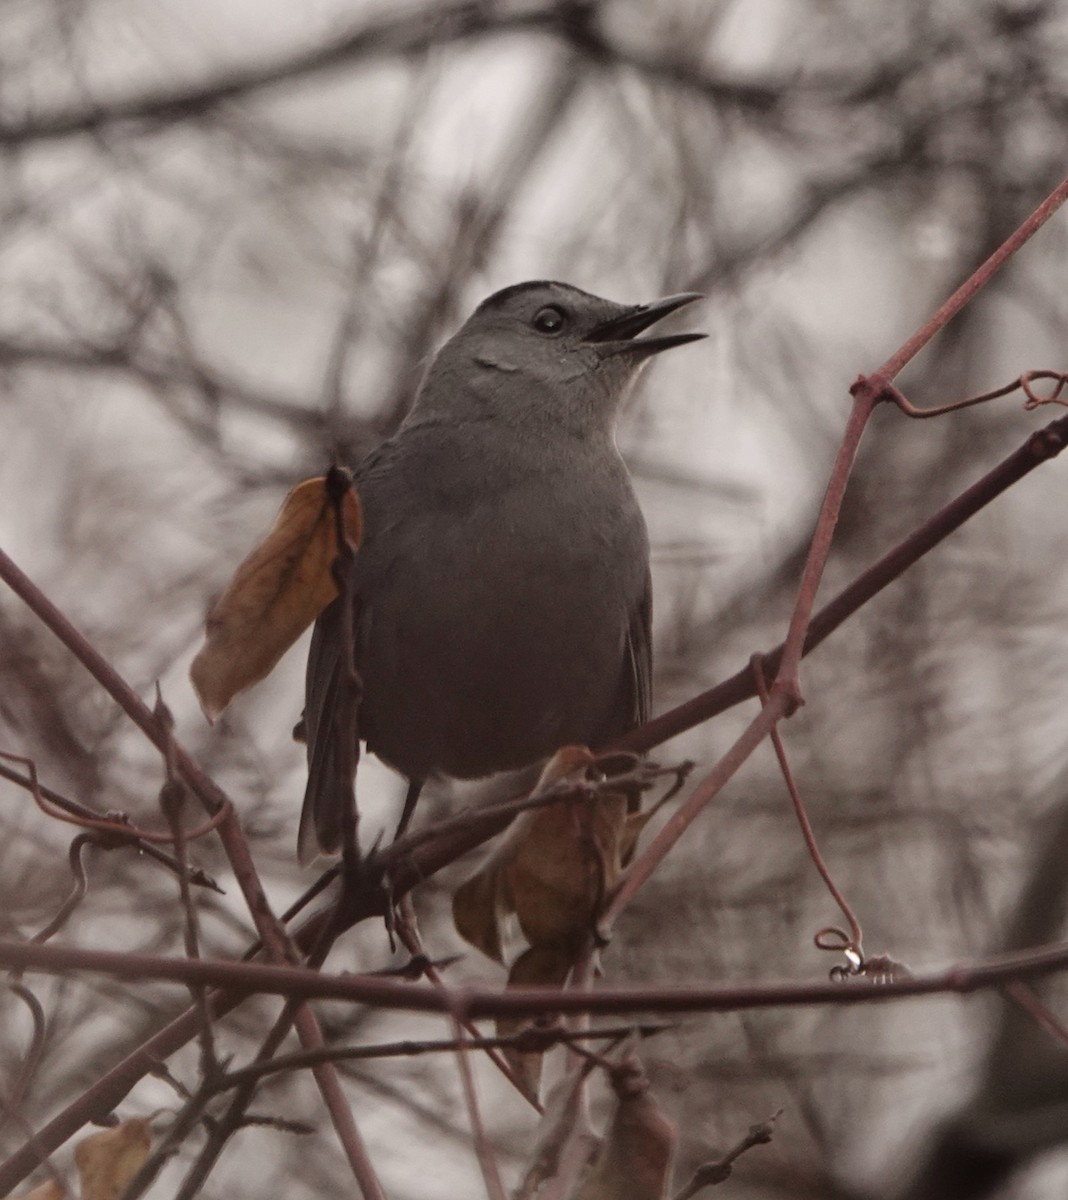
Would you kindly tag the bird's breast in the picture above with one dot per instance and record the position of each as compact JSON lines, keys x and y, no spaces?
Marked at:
{"x":493,"y":617}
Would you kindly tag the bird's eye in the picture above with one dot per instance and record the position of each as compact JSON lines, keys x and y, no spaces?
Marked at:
{"x":549,"y":319}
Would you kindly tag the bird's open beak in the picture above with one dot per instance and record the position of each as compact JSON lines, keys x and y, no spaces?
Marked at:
{"x":619,"y":334}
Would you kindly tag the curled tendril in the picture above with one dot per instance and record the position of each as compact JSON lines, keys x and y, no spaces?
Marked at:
{"x":879,"y":968}
{"x":1034,"y":400}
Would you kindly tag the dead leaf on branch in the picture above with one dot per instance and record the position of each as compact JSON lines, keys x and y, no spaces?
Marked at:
{"x":108,"y":1160}
{"x":274,"y":595}
{"x":539,"y":966}
{"x":553,"y":868}
{"x":106,"y":1163}
{"x":635,"y":1159}
{"x":550,"y":873}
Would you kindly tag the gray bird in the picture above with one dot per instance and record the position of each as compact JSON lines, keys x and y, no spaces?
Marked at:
{"x":502,"y":592}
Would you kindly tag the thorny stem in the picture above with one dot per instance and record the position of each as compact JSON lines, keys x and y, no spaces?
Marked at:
{"x":1040,"y":447}
{"x":297,"y":983}
{"x":435,"y":852}
{"x":119,"y":837}
{"x":276,"y":940}
{"x":534,"y":1039}
{"x":407,"y":930}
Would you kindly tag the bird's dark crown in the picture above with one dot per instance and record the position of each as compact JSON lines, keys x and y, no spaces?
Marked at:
{"x":499,"y":299}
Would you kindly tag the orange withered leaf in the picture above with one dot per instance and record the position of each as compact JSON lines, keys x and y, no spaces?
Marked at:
{"x":540,"y":966}
{"x":549,"y":875}
{"x":108,"y":1160}
{"x":552,"y":868}
{"x":274,"y":595}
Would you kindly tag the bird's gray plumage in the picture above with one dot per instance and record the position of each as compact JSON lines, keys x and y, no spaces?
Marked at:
{"x":502,"y":591}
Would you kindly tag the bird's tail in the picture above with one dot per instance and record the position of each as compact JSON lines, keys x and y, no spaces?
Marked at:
{"x":326,"y":794}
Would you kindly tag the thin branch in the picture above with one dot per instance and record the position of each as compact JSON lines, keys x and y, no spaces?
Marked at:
{"x":535,"y":1039}
{"x":407,"y":929}
{"x":1040,"y":447}
{"x":487,"y":1160}
{"x":712,"y":1173}
{"x":298,"y":983}
{"x":11,"y":1102}
{"x":329,"y":1082}
{"x":787,"y":677}
{"x":1021,"y":995}
{"x":807,"y":832}
{"x":106,"y":826}
{"x":78,"y":890}
{"x":114,"y":840}
{"x":172,"y":800}
{"x":276,"y":940}
{"x":972,"y":285}
{"x":399,"y":35}
{"x":1023,"y":383}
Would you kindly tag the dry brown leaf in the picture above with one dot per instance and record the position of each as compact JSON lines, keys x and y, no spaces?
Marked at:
{"x":540,"y":966}
{"x":274,"y":595}
{"x":551,"y":869}
{"x":551,"y":872}
{"x":108,"y":1160}
{"x":51,"y":1189}
{"x":480,"y":908}
{"x":569,"y":856}
{"x":635,"y":1159}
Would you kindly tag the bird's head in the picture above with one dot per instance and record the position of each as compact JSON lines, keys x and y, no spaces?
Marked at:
{"x":546,"y":353}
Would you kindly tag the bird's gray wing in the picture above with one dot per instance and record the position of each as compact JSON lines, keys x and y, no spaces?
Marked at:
{"x":324,"y":798}
{"x":640,"y":653}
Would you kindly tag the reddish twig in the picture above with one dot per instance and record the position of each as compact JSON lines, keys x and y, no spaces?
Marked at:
{"x":1023,"y":383}
{"x":407,"y":930}
{"x":974,"y":283}
{"x":710,"y":1174}
{"x":1040,"y":447}
{"x":275,"y":938}
{"x":1021,"y":995}
{"x":298,"y":983}
{"x":487,"y":1160}
{"x":103,"y":825}
{"x":788,"y":677}
{"x":113,"y":839}
{"x":172,"y":798}
{"x":535,"y":1039}
{"x":867,"y":392}
{"x":856,"y":942}
{"x":692,"y":807}
{"x":326,"y":1076}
